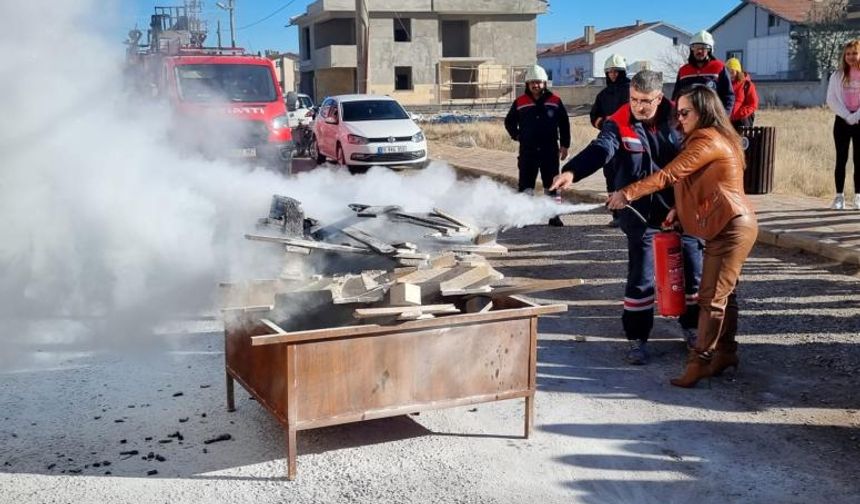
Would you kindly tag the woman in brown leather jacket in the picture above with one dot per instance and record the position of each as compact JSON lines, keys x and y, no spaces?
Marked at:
{"x":707,"y":176}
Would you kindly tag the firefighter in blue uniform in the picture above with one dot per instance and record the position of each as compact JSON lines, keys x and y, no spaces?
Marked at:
{"x":704,"y":68}
{"x":640,"y":138}
{"x":538,"y":121}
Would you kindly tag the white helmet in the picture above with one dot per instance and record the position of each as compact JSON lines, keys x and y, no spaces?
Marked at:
{"x":536,"y":73}
{"x":703,"y":37}
{"x":615,"y":61}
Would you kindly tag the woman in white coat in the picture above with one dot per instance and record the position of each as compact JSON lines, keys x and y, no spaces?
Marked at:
{"x":843,"y":98}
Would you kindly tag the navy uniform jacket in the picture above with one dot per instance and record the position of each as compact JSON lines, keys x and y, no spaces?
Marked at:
{"x":540,"y":123}
{"x":637,"y":151}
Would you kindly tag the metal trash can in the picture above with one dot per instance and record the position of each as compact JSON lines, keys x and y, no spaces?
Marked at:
{"x":760,"y":148}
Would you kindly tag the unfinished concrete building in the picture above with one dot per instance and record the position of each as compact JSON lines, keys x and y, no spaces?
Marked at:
{"x":420,"y":51}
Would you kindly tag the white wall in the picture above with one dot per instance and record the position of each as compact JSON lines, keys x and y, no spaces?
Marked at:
{"x":652,"y":46}
{"x":767,"y":56}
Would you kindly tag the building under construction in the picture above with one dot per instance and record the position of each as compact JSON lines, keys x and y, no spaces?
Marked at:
{"x":418,"y":51}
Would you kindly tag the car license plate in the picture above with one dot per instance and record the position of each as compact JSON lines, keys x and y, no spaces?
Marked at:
{"x":389,"y":149}
{"x":248,"y":152}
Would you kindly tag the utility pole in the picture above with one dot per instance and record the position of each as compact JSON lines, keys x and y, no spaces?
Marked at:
{"x":219,"y":34}
{"x":362,"y":30}
{"x":230,"y":7}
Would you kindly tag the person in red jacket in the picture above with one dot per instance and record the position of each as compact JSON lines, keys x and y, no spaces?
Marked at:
{"x":746,"y":97}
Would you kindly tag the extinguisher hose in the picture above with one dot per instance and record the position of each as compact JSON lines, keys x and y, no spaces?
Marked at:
{"x":630,"y":207}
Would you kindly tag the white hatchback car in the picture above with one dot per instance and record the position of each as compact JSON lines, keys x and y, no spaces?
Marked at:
{"x":360,"y":131}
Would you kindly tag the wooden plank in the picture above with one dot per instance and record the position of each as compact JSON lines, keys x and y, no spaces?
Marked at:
{"x":486,"y":249}
{"x":469,"y":277}
{"x":373,"y":211}
{"x":446,"y":260}
{"x":404,"y":294}
{"x":423,"y":275}
{"x":453,"y":219}
{"x":369,"y":240}
{"x":309,"y":244}
{"x":374,"y":329}
{"x":537,"y":286}
{"x":389,"y":311}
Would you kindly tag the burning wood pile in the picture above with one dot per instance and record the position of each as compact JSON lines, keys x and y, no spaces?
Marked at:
{"x":440,"y":271}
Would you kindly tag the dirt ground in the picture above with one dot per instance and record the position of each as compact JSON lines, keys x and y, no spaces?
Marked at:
{"x":92,"y":427}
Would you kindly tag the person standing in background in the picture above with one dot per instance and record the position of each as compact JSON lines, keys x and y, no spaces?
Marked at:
{"x":704,"y":68}
{"x":843,"y":98}
{"x":615,"y":95}
{"x":746,"y":96}
{"x":538,"y":121}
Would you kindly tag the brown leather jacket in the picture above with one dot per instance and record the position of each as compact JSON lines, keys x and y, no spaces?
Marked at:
{"x":708,"y":180}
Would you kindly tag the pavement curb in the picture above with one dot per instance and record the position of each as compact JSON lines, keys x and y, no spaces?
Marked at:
{"x":829,"y":249}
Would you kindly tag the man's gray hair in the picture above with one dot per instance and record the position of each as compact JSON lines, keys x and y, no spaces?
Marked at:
{"x":647,"y":81}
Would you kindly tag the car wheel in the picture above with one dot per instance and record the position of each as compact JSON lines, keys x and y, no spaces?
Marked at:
{"x":357,"y":170}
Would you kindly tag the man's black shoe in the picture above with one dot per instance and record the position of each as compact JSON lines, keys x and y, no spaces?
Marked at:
{"x":556,"y":222}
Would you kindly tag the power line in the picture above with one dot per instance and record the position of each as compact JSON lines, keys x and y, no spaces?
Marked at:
{"x":267,"y":17}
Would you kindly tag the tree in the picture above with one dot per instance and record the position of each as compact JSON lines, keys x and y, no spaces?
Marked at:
{"x":816,"y":45}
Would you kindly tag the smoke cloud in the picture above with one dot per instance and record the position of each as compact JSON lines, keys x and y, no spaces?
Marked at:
{"x":107,"y":231}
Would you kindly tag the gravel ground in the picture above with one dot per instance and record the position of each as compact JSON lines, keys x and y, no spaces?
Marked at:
{"x":90,"y":427}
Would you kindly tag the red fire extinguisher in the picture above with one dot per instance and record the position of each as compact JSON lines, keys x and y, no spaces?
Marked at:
{"x":669,"y":273}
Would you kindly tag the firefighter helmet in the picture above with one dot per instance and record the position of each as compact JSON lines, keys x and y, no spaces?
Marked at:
{"x":703,"y":37}
{"x":615,"y":61}
{"x":536,"y":73}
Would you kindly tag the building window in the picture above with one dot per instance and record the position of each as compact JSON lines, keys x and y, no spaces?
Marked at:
{"x":402,"y":29}
{"x":674,"y":41}
{"x":402,"y":78}
{"x":549,"y":75}
{"x":306,"y":46}
{"x":772,"y":21}
{"x":736,"y":54}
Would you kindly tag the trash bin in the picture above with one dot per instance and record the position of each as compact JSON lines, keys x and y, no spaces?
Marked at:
{"x":759,"y":147}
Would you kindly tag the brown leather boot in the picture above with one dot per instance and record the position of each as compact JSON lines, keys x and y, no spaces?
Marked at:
{"x":725,"y":356}
{"x":698,"y":367}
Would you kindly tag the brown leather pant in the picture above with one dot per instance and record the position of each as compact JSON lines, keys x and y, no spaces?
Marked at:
{"x":724,"y":255}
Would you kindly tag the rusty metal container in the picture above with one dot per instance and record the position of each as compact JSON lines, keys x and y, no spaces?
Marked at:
{"x":321,"y":377}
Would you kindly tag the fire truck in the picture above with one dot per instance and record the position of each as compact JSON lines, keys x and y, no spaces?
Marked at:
{"x":224,"y":102}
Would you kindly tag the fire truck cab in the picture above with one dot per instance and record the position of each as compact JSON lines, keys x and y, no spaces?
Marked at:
{"x":224,"y":103}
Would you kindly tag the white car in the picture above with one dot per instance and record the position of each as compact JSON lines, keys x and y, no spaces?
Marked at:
{"x":300,"y":109}
{"x":360,"y":131}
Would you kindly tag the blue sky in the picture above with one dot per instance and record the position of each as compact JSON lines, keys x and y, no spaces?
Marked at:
{"x":565,"y":19}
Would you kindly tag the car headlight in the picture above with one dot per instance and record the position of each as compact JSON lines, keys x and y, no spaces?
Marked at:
{"x":418,"y":137}
{"x":280,"y":122}
{"x":355,"y":139}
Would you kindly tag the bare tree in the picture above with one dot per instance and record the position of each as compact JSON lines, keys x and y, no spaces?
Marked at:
{"x":672,"y":59}
{"x":817,"y":44}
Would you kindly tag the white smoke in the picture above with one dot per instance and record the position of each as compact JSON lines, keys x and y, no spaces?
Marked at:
{"x":105,"y":231}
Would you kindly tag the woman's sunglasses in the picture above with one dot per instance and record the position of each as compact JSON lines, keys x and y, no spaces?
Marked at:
{"x":683,"y":112}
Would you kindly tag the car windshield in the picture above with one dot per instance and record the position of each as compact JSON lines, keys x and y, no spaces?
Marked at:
{"x":373,"y":110}
{"x":233,"y":83}
{"x":305,"y":102}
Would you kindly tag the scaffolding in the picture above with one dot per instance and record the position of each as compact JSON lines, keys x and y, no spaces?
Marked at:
{"x":477,"y":83}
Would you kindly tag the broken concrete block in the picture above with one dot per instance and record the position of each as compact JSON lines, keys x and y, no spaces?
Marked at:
{"x":404,"y":294}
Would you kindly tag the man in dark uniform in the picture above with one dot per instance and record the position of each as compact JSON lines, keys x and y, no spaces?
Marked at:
{"x":608,"y":100}
{"x":640,"y":138}
{"x":539,"y":122}
{"x":703,"y":68}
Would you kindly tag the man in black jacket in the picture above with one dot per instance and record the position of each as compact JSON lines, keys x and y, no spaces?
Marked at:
{"x":608,"y":101}
{"x":539,"y":122}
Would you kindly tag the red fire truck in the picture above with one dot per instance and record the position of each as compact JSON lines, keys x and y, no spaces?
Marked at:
{"x":224,"y":103}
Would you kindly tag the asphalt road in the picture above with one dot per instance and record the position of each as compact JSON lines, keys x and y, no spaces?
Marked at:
{"x":91,"y":427}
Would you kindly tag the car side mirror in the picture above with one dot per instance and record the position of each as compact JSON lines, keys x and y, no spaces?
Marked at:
{"x":332,"y":119}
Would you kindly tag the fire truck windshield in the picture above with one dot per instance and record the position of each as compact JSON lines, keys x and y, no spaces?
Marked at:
{"x":225,"y":82}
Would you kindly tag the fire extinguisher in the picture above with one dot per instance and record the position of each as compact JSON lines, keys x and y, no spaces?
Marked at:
{"x":668,"y":271}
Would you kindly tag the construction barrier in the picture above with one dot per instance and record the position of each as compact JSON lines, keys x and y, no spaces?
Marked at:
{"x":760,"y":149}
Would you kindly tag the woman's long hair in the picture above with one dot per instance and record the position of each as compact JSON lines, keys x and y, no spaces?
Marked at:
{"x":846,"y":68}
{"x":712,"y":114}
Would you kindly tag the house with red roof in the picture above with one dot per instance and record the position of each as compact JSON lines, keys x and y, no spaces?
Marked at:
{"x":760,"y":33}
{"x":655,"y":45}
